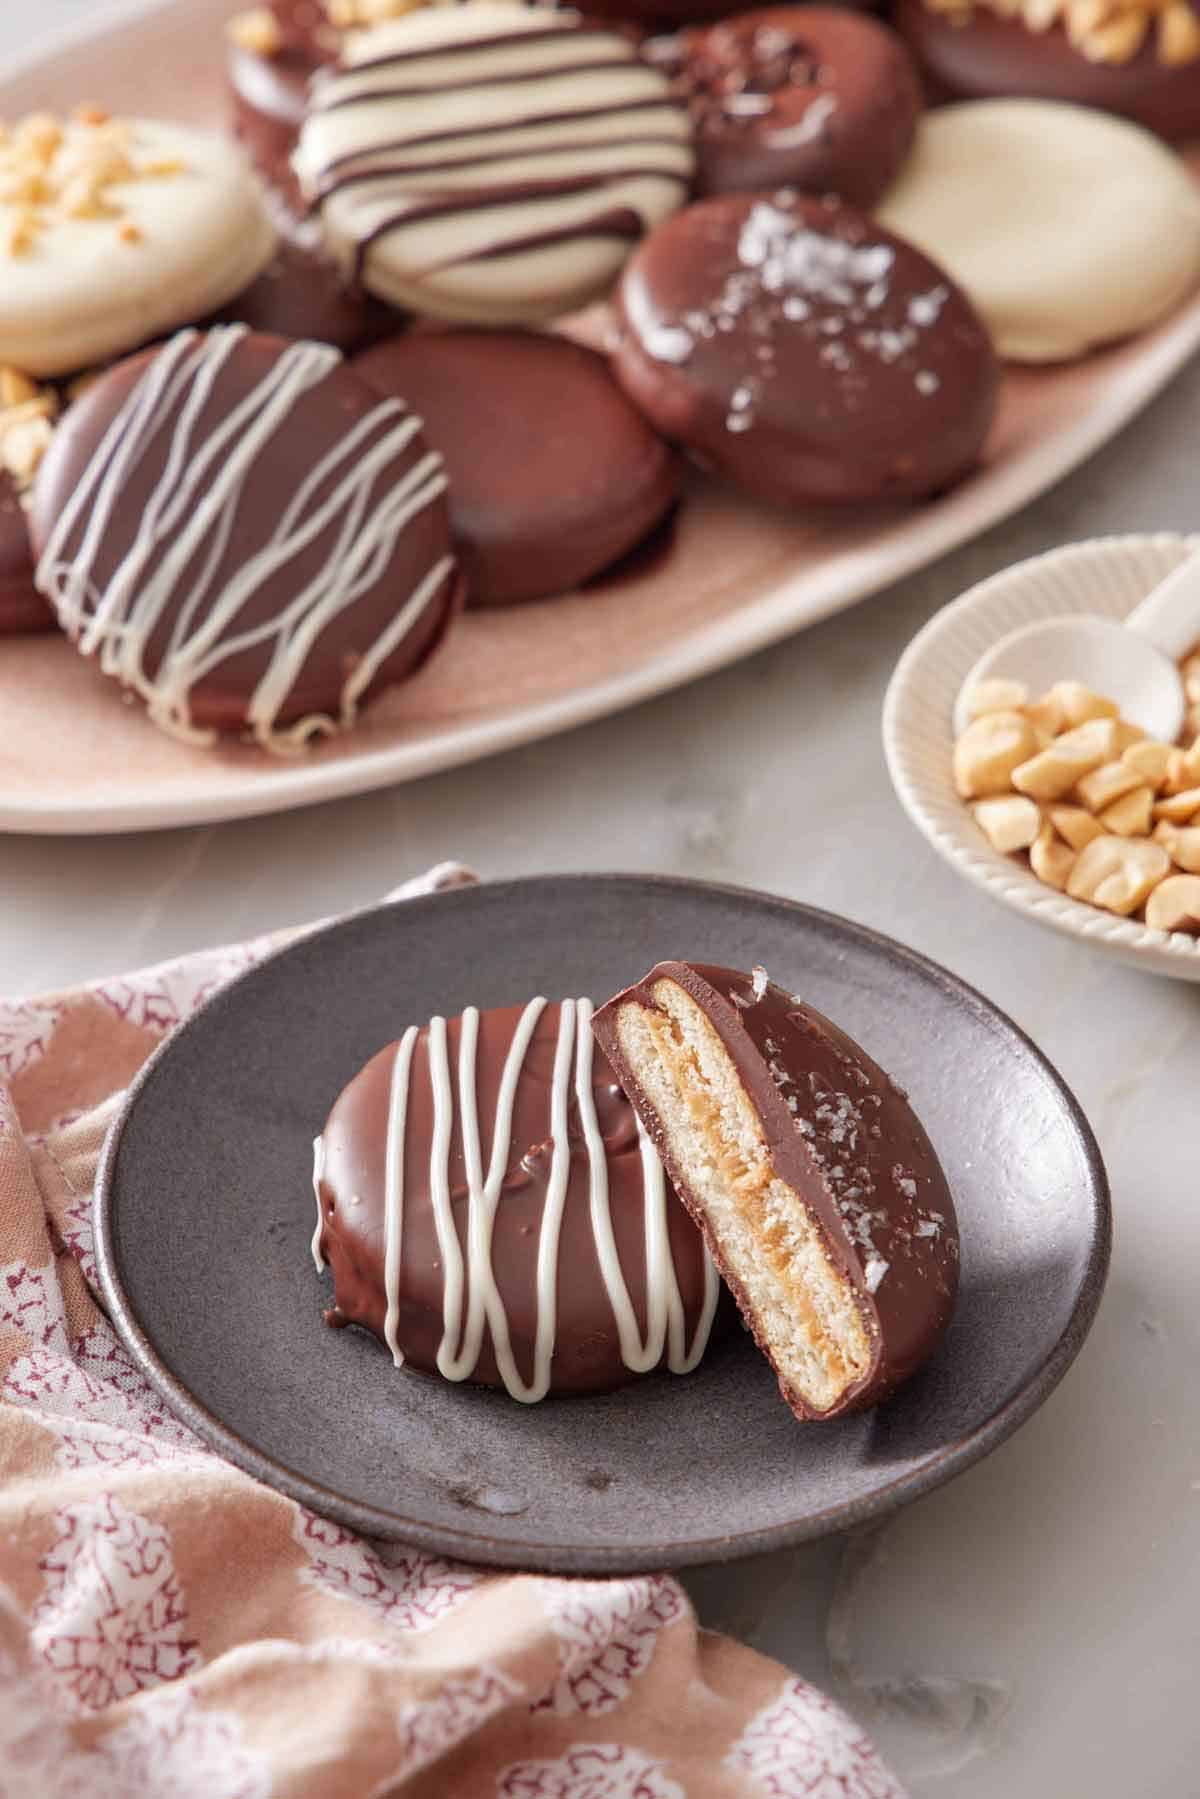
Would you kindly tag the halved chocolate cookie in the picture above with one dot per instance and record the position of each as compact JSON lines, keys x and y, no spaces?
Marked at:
{"x":491,"y":1209}
{"x":821,"y":1197}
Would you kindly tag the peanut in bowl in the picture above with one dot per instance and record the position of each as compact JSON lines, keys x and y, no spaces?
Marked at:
{"x":1047,"y":811}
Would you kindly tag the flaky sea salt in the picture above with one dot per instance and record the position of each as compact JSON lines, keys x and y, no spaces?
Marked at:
{"x":668,"y":343}
{"x":874,"y":1271}
{"x":924,"y":309}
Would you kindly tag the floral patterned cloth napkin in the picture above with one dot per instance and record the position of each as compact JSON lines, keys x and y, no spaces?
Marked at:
{"x":170,"y":1629}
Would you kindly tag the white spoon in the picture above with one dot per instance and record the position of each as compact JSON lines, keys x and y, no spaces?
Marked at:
{"x":1134,"y":662}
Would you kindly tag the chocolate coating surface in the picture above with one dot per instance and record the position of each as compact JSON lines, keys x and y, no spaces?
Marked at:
{"x":843,"y":1136}
{"x":989,"y":57}
{"x":352,"y":1196}
{"x":22,"y":607}
{"x":811,"y":97}
{"x":303,"y":293}
{"x":260,"y":486}
{"x":268,"y":94}
{"x":805,"y":353}
{"x":553,"y":472}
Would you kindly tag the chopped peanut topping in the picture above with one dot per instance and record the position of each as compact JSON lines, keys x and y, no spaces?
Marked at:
{"x":1118,"y":873}
{"x":16,"y":389}
{"x":1103,"y":31}
{"x":1103,"y":813}
{"x":352,"y":15}
{"x":997,"y":696}
{"x":1009,"y":823}
{"x":51,"y":171}
{"x":20,"y":231}
{"x":1181,"y":808}
{"x":1050,"y":860}
{"x":1175,"y":904}
{"x":256,"y":30}
{"x":988,"y":751}
{"x":1075,"y":825}
{"x":27,"y":412}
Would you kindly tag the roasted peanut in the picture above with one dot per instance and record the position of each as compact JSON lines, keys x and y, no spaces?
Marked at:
{"x":1180,"y":808}
{"x":1108,"y":783}
{"x":1118,"y":873}
{"x":256,"y":30}
{"x":22,"y":447}
{"x":16,"y":388}
{"x":988,"y":751}
{"x":1182,"y":844}
{"x":1149,"y":761}
{"x":1178,"y":35}
{"x":1175,"y":904}
{"x":996,"y":696}
{"x":1050,"y":859}
{"x":1009,"y":823}
{"x":1130,"y":815}
{"x":1055,"y":770}
{"x":1046,"y":714}
{"x":1075,"y":824}
{"x":1078,"y":703}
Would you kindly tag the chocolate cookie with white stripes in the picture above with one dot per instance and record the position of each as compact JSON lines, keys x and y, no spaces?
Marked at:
{"x":492,"y":163}
{"x":245,"y":536}
{"x":491,"y":1208}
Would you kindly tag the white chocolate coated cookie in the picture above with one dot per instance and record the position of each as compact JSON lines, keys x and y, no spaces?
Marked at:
{"x":492,"y":162}
{"x":116,"y":231}
{"x":1067,"y":228}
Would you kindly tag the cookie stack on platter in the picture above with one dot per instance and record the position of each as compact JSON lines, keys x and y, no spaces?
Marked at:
{"x":502,"y":276}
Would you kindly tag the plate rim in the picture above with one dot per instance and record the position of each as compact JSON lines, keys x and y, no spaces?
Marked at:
{"x":478,"y":1547}
{"x":918,"y":686}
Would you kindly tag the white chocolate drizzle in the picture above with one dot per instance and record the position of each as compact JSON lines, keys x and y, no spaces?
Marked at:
{"x":498,"y":136}
{"x":317,"y":1177}
{"x":466,"y":1319}
{"x":187,"y":522}
{"x":394,"y":1185}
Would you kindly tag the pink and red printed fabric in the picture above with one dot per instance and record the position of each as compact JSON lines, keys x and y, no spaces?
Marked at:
{"x":170,"y":1629}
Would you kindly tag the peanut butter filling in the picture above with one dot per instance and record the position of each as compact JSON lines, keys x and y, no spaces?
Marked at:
{"x":772,"y":1216}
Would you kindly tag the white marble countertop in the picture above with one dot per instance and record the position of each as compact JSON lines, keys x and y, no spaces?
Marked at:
{"x":1034,"y":1626}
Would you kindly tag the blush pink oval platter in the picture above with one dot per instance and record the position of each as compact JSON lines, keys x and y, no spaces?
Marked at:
{"x":736,"y":577}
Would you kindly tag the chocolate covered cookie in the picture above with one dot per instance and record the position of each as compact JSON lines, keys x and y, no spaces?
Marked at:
{"x":1138,"y":58}
{"x":553,"y":473}
{"x":811,"y":97}
{"x":22,"y":607}
{"x":492,"y":163}
{"x":303,"y":293}
{"x":243,"y":534}
{"x":818,"y":1192}
{"x":800,"y":350}
{"x":115,"y":231}
{"x":272,"y":53}
{"x":492,"y":1211}
{"x":27,"y":413}
{"x":1066,"y":228}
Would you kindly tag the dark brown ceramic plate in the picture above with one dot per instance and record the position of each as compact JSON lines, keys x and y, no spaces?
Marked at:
{"x":204,"y":1214}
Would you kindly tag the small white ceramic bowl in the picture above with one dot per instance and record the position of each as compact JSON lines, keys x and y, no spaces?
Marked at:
{"x":1108,"y":576}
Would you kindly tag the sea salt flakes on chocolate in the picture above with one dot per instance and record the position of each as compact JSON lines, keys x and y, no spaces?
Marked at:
{"x":803,"y":352}
{"x":802,"y":1163}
